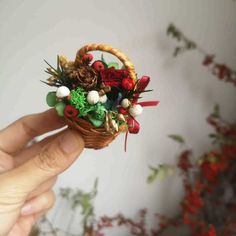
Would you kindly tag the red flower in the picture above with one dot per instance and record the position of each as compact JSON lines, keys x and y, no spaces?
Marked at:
{"x":192,"y":202}
{"x":186,"y":219}
{"x":194,"y":199}
{"x":184,"y":162}
{"x":211,"y":231}
{"x":210,"y":170}
{"x":112,"y":77}
{"x":71,"y":112}
{"x":123,"y":111}
{"x":127,"y":84}
{"x":208,"y":60}
{"x":143,"y":83}
{"x":87,"y":58}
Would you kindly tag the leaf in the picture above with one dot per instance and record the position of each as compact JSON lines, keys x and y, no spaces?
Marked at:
{"x":177,"y":138}
{"x":152,"y":177}
{"x":113,"y":64}
{"x":60,"y":108}
{"x":51,"y":99}
{"x":165,"y":171}
{"x":96,"y":122}
{"x":162,"y":172}
{"x":103,"y":59}
{"x":177,"y":51}
{"x":216,"y":112}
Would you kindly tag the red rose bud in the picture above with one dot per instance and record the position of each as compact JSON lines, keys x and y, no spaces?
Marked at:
{"x":87,"y":58}
{"x":134,"y":126}
{"x":143,"y":83}
{"x":98,"y":66}
{"x":123,"y":111}
{"x":113,"y":77}
{"x":127,"y":84}
{"x":70,"y":111}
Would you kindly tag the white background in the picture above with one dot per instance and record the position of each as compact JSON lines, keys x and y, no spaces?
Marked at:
{"x":31,"y":31}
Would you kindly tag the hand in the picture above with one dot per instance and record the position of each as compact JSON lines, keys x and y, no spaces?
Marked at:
{"x":27,"y":174}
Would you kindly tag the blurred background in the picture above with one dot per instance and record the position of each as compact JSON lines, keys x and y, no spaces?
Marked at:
{"x":31,"y":31}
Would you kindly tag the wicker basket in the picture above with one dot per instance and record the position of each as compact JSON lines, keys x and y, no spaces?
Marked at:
{"x":98,"y":138}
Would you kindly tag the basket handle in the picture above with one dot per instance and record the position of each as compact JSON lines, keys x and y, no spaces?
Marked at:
{"x":107,"y":48}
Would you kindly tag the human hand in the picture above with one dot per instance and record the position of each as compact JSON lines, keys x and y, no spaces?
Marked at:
{"x":27,"y":174}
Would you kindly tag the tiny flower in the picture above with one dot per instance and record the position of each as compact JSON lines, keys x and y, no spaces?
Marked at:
{"x":70,"y":111}
{"x":127,"y":84}
{"x":112,"y":77}
{"x":123,"y":111}
{"x":87,"y":58}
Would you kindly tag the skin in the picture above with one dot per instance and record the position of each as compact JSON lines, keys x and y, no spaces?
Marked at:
{"x":27,"y":174}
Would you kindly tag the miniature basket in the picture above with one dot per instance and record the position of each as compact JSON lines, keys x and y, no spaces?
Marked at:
{"x":97,"y":136}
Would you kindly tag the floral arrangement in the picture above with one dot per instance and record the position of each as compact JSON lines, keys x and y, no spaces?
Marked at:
{"x":97,"y":98}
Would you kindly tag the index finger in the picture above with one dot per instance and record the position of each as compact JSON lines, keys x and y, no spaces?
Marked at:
{"x":18,"y":134}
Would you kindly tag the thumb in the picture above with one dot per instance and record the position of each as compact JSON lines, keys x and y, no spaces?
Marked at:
{"x":54,"y":158}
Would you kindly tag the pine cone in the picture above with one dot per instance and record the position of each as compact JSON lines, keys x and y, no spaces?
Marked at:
{"x":83,"y":76}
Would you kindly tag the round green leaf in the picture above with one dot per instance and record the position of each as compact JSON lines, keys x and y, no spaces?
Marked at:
{"x":60,"y":108}
{"x":51,"y":99}
{"x":95,"y":122}
{"x":113,"y":64}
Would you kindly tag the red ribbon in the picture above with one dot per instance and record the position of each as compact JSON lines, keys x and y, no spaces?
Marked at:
{"x":149,"y":103}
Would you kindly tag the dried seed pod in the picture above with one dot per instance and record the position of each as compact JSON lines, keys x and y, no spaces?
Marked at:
{"x":107,"y":89}
{"x":120,"y":117}
{"x":101,"y":92}
{"x":106,"y":124}
{"x":114,"y":125}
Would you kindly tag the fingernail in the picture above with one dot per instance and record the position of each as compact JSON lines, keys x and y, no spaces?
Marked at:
{"x":70,"y":142}
{"x":26,"y":209}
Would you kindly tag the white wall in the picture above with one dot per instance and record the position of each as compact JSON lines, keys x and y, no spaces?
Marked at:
{"x":31,"y":31}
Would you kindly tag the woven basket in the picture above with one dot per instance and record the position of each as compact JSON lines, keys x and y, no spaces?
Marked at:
{"x":98,"y":138}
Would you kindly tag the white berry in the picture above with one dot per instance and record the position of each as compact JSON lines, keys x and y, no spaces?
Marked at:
{"x":93,"y":97}
{"x":103,"y":98}
{"x":125,"y":103}
{"x":136,"y":110}
{"x":62,"y":92}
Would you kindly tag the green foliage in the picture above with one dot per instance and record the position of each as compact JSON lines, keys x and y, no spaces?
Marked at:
{"x":59,"y":76}
{"x":161,"y":172}
{"x":60,"y":106}
{"x":187,"y":44}
{"x":51,"y":99}
{"x":177,"y":138}
{"x":78,"y":99}
{"x":103,"y":60}
{"x":216,"y":112}
{"x":113,"y":64}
